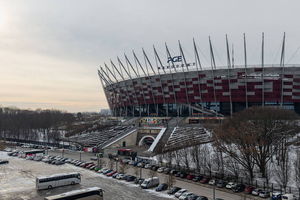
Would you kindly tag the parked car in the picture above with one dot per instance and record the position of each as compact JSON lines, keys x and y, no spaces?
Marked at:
{"x":139,"y":180}
{"x":173,"y":171}
{"x":238,"y":188}
{"x":102,"y":170}
{"x":94,"y":158}
{"x":120,"y":176}
{"x":264,"y":194}
{"x":203,"y":198}
{"x":249,"y":189}
{"x":193,"y":197}
{"x":173,"y":190}
{"x":190,"y":176}
{"x":4,"y":162}
{"x":150,"y":183}
{"x":221,"y":184}
{"x":111,"y":173}
{"x":130,"y":178}
{"x":37,"y":158}
{"x":205,"y":180}
{"x":180,"y":192}
{"x":141,"y":164}
{"x":148,"y":166}
{"x":161,"y":187}
{"x":256,"y":191}
{"x":154,"y":168}
{"x":276,"y":196}
{"x":289,"y":197}
{"x":115,"y":175}
{"x":197,"y":178}
{"x":92,"y":167}
{"x":182,"y":175}
{"x":160,"y":170}
{"x":212,"y":182}
{"x":167,"y":170}
{"x":185,"y":195}
{"x":107,"y":171}
{"x":230,"y":185}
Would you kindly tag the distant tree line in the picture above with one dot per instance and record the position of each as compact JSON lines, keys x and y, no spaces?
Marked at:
{"x":32,"y":124}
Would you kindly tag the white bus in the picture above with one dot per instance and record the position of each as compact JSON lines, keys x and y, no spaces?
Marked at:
{"x":56,"y":180}
{"x":93,"y":193}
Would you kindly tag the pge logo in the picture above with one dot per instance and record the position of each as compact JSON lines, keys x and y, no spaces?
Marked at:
{"x":175,"y":59}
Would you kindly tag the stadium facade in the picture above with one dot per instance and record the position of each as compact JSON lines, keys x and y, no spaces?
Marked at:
{"x":181,"y":88}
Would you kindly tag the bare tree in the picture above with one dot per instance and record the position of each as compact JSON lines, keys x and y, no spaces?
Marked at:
{"x":206,"y":159}
{"x":251,"y":137}
{"x":185,"y":157}
{"x":297,"y":169}
{"x":232,"y":167}
{"x":196,"y":157}
{"x":177,"y":158}
{"x":282,"y":167}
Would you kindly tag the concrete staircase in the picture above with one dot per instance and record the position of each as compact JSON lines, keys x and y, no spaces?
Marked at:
{"x":172,"y":123}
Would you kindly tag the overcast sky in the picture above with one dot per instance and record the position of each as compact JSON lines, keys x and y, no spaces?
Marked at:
{"x":50,"y":49}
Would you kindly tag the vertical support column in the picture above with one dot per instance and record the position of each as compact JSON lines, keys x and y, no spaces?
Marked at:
{"x":171,"y":73}
{"x":229,"y":75}
{"x":197,"y":61}
{"x":263,"y":72}
{"x":246,"y":75}
{"x":183,"y":62}
{"x":213,"y":67}
{"x":282,"y":70}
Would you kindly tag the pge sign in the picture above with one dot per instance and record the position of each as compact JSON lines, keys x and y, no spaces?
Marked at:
{"x":175,"y":59}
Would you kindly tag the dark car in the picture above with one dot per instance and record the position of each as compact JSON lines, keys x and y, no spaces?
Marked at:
{"x":173,"y":190}
{"x":183,"y":175}
{"x":3,"y":161}
{"x":141,"y":180}
{"x":238,"y":188}
{"x":178,"y":174}
{"x":193,"y":197}
{"x":197,"y":178}
{"x":59,"y":163}
{"x":221,"y":183}
{"x":205,"y":180}
{"x":154,"y":168}
{"x":115,"y":175}
{"x":130,"y":178}
{"x":107,"y":171}
{"x":173,"y":171}
{"x":138,"y":180}
{"x":161,"y":187}
{"x":202,"y":198}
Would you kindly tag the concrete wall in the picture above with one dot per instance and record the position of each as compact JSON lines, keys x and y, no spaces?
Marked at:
{"x":130,"y":140}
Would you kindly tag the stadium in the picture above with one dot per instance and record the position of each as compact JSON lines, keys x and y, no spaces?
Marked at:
{"x":175,"y":87}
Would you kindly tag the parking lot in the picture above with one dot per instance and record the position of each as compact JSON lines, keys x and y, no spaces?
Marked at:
{"x":17,"y":181}
{"x":204,"y":190}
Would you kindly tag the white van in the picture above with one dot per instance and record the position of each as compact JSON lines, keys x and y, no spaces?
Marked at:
{"x":150,"y":183}
{"x":288,"y":197}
